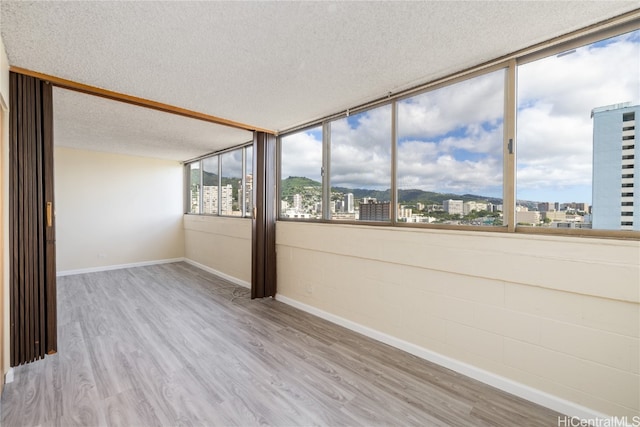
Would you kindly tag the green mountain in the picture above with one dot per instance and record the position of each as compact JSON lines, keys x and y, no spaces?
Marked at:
{"x":301,"y":185}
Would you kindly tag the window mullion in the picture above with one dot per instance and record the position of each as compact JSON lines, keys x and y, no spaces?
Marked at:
{"x":326,"y":170}
{"x":509,"y":147}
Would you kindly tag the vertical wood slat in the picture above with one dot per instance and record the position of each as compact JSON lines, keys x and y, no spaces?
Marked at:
{"x":32,"y":276}
{"x":263,"y":263}
{"x":50,"y":305}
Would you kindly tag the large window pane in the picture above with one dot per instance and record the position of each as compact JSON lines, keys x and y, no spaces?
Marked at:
{"x":248,"y":191}
{"x":210,"y":185}
{"x":575,"y":133}
{"x":361,"y":166}
{"x":194,"y":188}
{"x":301,"y":179}
{"x":450,"y":153}
{"x":231,"y":189}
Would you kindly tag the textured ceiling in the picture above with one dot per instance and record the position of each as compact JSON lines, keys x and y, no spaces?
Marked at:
{"x":94,"y":123}
{"x":271,"y":64}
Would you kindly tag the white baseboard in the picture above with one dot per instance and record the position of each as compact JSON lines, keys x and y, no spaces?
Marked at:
{"x":8,"y":377}
{"x":232,"y":279}
{"x":529,"y":393}
{"x":117,"y":267}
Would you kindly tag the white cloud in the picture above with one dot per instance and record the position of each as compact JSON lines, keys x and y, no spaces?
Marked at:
{"x":361,"y":150}
{"x":434,"y":113}
{"x":302,"y":155}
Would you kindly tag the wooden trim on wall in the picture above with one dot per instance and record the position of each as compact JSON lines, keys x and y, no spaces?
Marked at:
{"x":134,"y":100}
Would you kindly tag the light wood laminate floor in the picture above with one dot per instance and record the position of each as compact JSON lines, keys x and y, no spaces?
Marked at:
{"x":171,"y":345}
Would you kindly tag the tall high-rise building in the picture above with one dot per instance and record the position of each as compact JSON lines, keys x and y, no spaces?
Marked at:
{"x":348,"y":203}
{"x":297,"y":202}
{"x":616,"y":182}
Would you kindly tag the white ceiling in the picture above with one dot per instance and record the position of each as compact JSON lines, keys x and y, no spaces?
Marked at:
{"x":270,"y":64}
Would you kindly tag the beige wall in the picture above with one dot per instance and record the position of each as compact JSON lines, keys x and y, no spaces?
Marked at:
{"x":559,"y":315}
{"x":220,"y":244}
{"x":116,"y":210}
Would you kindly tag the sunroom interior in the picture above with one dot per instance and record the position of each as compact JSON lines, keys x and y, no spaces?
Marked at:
{"x":548,"y":314}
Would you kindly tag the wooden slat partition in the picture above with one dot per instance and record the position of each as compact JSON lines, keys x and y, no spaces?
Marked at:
{"x":263,"y":262}
{"x":32,"y":238}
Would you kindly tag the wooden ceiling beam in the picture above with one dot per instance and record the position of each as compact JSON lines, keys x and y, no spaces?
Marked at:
{"x":134,"y":100}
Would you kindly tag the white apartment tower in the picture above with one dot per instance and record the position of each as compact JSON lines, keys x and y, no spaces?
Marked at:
{"x":616,"y":183}
{"x":297,"y":202}
{"x":348,"y":203}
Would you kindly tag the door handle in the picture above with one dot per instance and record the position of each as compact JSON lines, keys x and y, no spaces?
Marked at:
{"x":49,"y":214}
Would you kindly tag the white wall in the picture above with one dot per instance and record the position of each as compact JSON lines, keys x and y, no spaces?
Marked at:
{"x":4,"y":215}
{"x":114,"y":210}
{"x":556,"y":315}
{"x":221,"y":245}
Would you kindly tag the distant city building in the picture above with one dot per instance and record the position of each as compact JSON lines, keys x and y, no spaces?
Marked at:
{"x":616,"y":180}
{"x":297,"y":202}
{"x":348,"y":203}
{"x":420,"y":206}
{"x":453,"y":207}
{"x":374,"y":211}
{"x":210,"y":199}
{"x":547,"y":206}
{"x":573,"y":206}
{"x":404,"y":213}
{"x":468,"y":207}
{"x":554,"y":215}
{"x":528,"y":217}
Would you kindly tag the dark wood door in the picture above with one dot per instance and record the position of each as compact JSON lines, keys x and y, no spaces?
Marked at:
{"x":33,"y":311}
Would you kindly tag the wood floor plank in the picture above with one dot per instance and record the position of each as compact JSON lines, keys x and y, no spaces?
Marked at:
{"x":174,"y":345}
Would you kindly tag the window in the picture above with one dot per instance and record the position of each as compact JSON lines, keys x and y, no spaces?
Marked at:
{"x":301,"y":174}
{"x":214,"y":193}
{"x":360,"y":166}
{"x":195,"y":182}
{"x":248,"y":182}
{"x":437,"y":155}
{"x":210,"y":184}
{"x":570,"y":126}
{"x":450,"y":153}
{"x":230,"y":191}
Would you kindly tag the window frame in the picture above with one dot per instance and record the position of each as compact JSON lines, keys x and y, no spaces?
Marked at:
{"x":218,"y":154}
